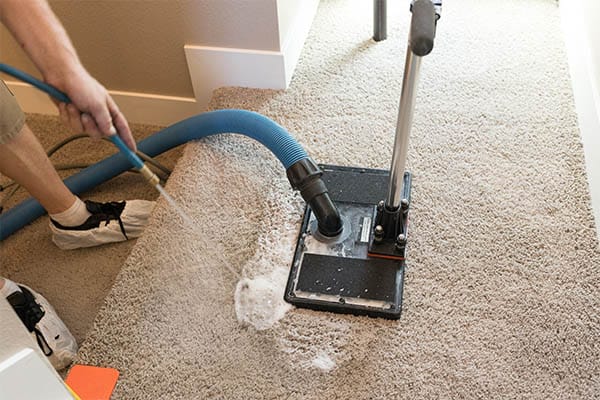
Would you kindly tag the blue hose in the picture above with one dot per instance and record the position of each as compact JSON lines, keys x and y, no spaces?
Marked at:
{"x":248,"y":123}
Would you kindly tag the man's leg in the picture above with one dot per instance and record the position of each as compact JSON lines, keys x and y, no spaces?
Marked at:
{"x":74,"y":224}
{"x":24,"y":160}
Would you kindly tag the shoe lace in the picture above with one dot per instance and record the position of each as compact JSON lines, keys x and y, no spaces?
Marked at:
{"x":108,"y":212}
{"x":30,"y":312}
{"x":41,"y":341}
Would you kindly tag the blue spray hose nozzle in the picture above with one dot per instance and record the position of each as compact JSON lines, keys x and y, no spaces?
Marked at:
{"x":127,"y":152}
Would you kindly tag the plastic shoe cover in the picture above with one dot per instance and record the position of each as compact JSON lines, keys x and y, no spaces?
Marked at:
{"x":110,"y":222}
{"x":51,"y":334}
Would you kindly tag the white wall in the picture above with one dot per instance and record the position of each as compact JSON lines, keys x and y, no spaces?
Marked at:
{"x":581,"y":25}
{"x":591,"y":25}
{"x":217,"y":66}
{"x":294,"y":20}
{"x":286,"y":12}
{"x":137,"y":46}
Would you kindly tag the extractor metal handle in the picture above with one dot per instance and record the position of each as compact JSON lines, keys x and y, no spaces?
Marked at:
{"x":422,"y":27}
{"x":425,"y":14}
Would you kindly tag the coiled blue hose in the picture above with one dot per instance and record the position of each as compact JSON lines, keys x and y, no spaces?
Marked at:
{"x":247,"y":123}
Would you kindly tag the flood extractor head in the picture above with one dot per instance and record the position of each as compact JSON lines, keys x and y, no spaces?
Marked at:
{"x":337,"y":273}
{"x":357,"y":264}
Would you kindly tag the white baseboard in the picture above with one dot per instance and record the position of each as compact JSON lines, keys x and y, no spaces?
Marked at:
{"x":155,"y":109}
{"x":138,"y":107}
{"x":586,"y":91}
{"x":214,"y":67}
{"x":294,"y":42}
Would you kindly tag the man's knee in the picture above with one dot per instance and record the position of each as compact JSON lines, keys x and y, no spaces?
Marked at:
{"x":12,"y":118}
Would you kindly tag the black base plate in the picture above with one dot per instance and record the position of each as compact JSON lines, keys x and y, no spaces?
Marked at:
{"x":338,"y":275}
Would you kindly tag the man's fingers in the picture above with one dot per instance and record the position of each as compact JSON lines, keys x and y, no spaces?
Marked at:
{"x":121,"y":124}
{"x":64,"y":114}
{"x":75,"y":118}
{"x":90,"y":126}
{"x":99,"y":111}
{"x":94,"y":112}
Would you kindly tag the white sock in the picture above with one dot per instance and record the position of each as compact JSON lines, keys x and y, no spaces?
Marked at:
{"x":9,"y":288}
{"x":75,"y":215}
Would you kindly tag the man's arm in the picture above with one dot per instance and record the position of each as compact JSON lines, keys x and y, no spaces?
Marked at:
{"x":37,"y":29}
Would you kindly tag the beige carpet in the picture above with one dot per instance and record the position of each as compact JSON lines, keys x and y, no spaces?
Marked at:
{"x":502,"y":291}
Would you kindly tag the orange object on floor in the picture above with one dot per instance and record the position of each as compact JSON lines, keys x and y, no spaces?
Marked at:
{"x":92,"y":383}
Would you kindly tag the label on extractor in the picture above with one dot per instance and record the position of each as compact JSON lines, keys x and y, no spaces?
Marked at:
{"x":366,"y":230}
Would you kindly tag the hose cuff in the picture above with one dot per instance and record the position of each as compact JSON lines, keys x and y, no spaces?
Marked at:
{"x":305,"y":176}
{"x":149,"y":175}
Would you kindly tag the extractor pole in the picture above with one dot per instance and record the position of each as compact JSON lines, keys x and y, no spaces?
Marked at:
{"x":390,"y":226}
{"x":404,"y":123}
{"x":425,"y":14}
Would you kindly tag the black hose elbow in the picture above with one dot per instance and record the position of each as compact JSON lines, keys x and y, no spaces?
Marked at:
{"x":305,"y":176}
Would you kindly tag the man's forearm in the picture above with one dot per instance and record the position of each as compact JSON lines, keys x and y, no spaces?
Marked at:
{"x":38,"y":31}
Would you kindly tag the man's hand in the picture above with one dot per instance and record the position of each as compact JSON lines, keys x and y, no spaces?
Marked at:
{"x":92,"y":109}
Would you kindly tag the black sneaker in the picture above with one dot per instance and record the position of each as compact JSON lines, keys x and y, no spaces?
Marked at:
{"x":109,"y":222}
{"x":45,"y":326}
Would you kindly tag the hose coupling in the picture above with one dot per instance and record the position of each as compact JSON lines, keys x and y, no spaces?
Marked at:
{"x":305,"y":176}
{"x":149,"y":175}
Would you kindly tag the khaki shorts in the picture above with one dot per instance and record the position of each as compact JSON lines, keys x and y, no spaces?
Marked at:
{"x":12,"y":118}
